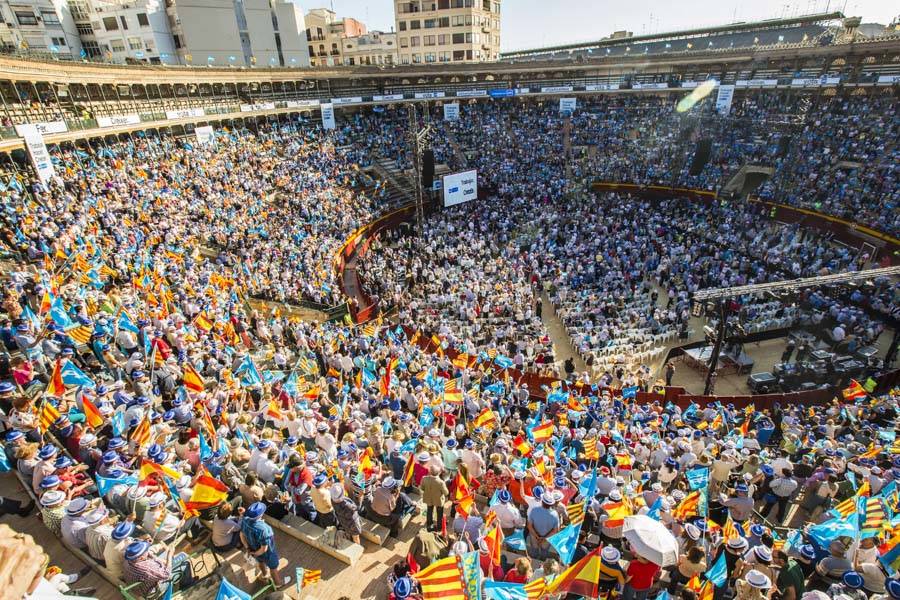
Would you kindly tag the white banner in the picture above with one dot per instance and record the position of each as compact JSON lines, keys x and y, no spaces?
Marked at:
{"x":756,"y":83}
{"x":601,"y":87}
{"x":888,"y":79}
{"x":427,"y":95}
{"x":557,"y":89}
{"x":353,"y":100}
{"x":690,"y":85}
{"x":118,"y":121}
{"x":451,"y":111}
{"x":185,"y":113}
{"x":327,"y":115}
{"x":37,"y":153}
{"x":806,"y":82}
{"x":567,"y":105}
{"x":257,"y":107}
{"x":471,"y":93}
{"x":205,"y":135}
{"x":387,"y":98}
{"x":724,"y":98}
{"x":460,"y":187}
{"x":46,"y":128}
{"x":522,"y":91}
{"x":650,"y":86}
{"x":302,"y":104}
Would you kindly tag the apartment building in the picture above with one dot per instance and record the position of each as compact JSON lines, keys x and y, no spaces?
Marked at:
{"x":431,"y":31}
{"x":325,"y":34}
{"x":372,"y":48}
{"x":39,"y":26}
{"x":132,"y":32}
{"x":243,"y":33}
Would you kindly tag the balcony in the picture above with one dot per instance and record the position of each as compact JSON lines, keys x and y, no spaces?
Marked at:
{"x":315,"y":38}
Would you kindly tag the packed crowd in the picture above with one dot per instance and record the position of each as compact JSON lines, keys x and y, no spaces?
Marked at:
{"x":145,"y":399}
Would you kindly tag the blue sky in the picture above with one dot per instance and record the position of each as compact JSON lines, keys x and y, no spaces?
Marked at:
{"x":529,"y":23}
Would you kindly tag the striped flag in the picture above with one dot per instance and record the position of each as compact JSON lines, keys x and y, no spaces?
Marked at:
{"x":535,"y":589}
{"x":311,"y":576}
{"x":80,"y":334}
{"x":855,"y":391}
{"x":729,"y":531}
{"x":871,"y":515}
{"x":192,"y":380}
{"x":442,"y":580}
{"x":590,"y":449}
{"x":543,"y":432}
{"x":91,"y":414}
{"x":689,"y":507}
{"x":141,"y":434}
{"x":575,"y":512}
{"x":409,"y":469}
{"x":522,"y":445}
{"x":56,"y":388}
{"x":49,"y":414}
{"x":201,"y":322}
{"x":485,"y":418}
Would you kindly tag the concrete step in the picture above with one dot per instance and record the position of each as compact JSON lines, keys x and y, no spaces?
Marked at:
{"x":326,"y":540}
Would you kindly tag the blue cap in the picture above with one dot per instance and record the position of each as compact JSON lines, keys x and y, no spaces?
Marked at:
{"x":256,"y":510}
{"x":757,"y":530}
{"x":741,"y":488}
{"x":6,"y":387}
{"x":263,"y":444}
{"x":767,"y":470}
{"x":451,"y":443}
{"x":136,"y":549}
{"x":63,"y":462}
{"x":122,"y":530}
{"x":169,"y":415}
{"x":560,"y":482}
{"x":115,"y":473}
{"x":49,"y":481}
{"x":469,"y":444}
{"x":402,"y":588}
{"x":154,"y":450}
{"x":852,"y":579}
{"x":116,"y":442}
{"x":110,"y":456}
{"x":47,"y":451}
{"x":137,"y":373}
{"x":537,"y":491}
{"x":671,"y":462}
{"x":892,"y":587}
{"x":807,"y":551}
{"x":504,"y":496}
{"x":319,"y":479}
{"x":14,"y":435}
{"x":102,"y":390}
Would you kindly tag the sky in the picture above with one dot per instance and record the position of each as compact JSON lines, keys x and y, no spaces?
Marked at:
{"x":533,"y":23}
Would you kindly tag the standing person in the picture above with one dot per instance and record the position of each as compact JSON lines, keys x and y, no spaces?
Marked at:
{"x":346,"y":511}
{"x":791,"y":583}
{"x":788,"y":351}
{"x":670,"y":373}
{"x":781,"y":489}
{"x":259,"y":539}
{"x":434,"y":495}
{"x":639,"y":579}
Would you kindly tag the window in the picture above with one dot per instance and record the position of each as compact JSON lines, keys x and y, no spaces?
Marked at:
{"x":402,"y":26}
{"x":177,"y":39}
{"x":415,"y":25}
{"x":443,"y":4}
{"x":468,"y":38}
{"x":444,"y":56}
{"x":124,"y":22}
{"x":429,"y":40}
{"x":85,"y":29}
{"x":58,"y":41}
{"x":110,"y":24}
{"x":148,"y":45}
{"x":404,"y":59}
{"x":135,"y":43}
{"x":430,"y":58}
{"x":117,"y":45}
{"x":459,"y":55}
{"x":143,"y":21}
{"x":417,"y":58}
{"x":430,"y":23}
{"x":91,"y":48}
{"x":458,"y":20}
{"x":444,"y":22}
{"x":443,"y":39}
{"x":497,"y":7}
{"x":459,"y":38}
{"x":79,"y":10}
{"x":404,"y":42}
{"x":414,"y":41}
{"x":50,"y":17}
{"x":26,"y":17}
{"x":312,"y":51}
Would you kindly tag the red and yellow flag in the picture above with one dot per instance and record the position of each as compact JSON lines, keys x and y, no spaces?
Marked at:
{"x":56,"y":387}
{"x":208,"y":492}
{"x":192,"y":379}
{"x":92,"y":414}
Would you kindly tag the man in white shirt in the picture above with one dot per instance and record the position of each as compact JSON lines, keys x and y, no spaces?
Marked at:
{"x":782,"y":488}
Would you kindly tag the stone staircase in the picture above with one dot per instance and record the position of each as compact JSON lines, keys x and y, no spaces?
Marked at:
{"x":399,"y":186}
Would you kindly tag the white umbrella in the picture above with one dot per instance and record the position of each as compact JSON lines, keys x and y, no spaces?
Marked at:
{"x":650,"y":539}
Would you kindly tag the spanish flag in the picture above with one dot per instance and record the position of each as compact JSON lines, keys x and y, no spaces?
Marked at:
{"x":149,"y":468}
{"x":543,"y":432}
{"x":273,"y":411}
{"x":208,"y":492}
{"x":91,"y":414}
{"x":485,"y":418}
{"x":366,"y":466}
{"x":623,"y":461}
{"x":192,"y":380}
{"x":494,"y":541}
{"x":56,"y":388}
{"x":522,"y":445}
{"x":689,"y":507}
{"x":453,"y":396}
{"x":201,"y":322}
{"x":580,"y":579}
{"x":461,"y":361}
